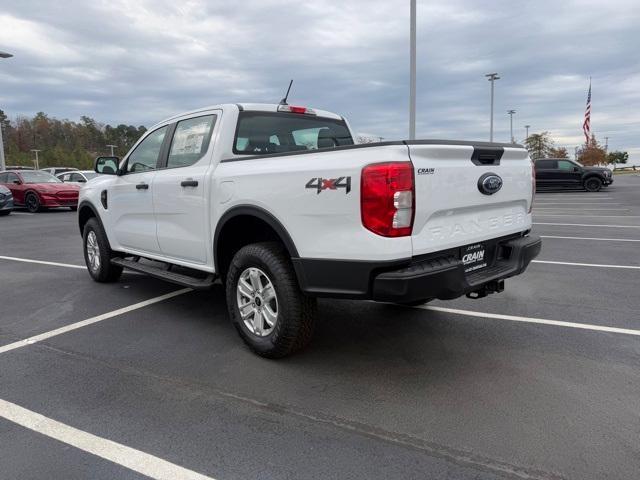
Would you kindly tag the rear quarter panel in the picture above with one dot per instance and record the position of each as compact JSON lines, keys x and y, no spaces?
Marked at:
{"x":323,"y":224}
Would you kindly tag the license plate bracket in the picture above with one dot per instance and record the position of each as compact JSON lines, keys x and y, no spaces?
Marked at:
{"x":474,"y":257}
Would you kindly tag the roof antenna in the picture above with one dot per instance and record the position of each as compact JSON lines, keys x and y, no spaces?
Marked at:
{"x":284,"y":100}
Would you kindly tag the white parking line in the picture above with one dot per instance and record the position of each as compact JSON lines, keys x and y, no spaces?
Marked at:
{"x":89,"y":321}
{"x":21,"y":213}
{"x":536,"y":209}
{"x":598,"y":265}
{"x":575,"y":203}
{"x":141,"y":462}
{"x":585,"y":225}
{"x":590,"y":216}
{"x":592,"y":238}
{"x":41,"y":262}
{"x":541,"y":321}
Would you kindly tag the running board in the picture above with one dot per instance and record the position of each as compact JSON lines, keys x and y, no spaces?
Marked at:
{"x":162,"y":274}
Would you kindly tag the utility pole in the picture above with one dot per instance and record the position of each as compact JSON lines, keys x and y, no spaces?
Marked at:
{"x":575,"y":154}
{"x":511,"y":112}
{"x":3,"y":165}
{"x":527,"y":127}
{"x":112,"y":147}
{"x":412,"y":72}
{"x":606,"y":144}
{"x":492,"y":77}
{"x":36,"y":163}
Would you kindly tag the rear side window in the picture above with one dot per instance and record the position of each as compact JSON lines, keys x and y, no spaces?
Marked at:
{"x":547,"y":164}
{"x":4,"y":178}
{"x":260,"y":133}
{"x":190,"y":141}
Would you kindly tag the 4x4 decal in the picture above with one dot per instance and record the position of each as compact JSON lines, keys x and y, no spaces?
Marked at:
{"x":319,"y":184}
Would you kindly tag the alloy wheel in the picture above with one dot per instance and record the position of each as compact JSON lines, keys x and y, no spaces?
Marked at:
{"x":257,"y":301}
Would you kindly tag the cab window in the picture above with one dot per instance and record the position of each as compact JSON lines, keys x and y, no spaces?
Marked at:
{"x":190,"y":141}
{"x":145,"y":157}
{"x":547,"y":164}
{"x":4,"y":178}
{"x":565,"y":165}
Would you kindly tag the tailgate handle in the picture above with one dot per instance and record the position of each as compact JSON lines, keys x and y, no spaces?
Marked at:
{"x":487,"y":155}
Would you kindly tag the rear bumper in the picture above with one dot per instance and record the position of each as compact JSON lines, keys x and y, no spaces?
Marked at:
{"x":445,"y":278}
{"x":438,"y":276}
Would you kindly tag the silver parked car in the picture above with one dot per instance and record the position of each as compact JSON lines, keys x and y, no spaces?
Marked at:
{"x":6,"y":201}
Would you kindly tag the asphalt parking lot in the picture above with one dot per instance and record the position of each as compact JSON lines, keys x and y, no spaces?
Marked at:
{"x":540,"y":381}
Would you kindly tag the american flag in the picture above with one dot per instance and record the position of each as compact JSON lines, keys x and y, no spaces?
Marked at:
{"x":586,"y":125}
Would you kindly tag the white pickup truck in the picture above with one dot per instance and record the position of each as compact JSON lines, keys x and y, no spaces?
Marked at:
{"x":280,"y":204}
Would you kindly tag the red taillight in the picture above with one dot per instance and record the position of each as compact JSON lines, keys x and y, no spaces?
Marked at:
{"x":387,"y":198}
{"x":533,"y":185}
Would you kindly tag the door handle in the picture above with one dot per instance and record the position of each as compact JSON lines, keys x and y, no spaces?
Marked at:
{"x":142,"y":186}
{"x":189,"y":183}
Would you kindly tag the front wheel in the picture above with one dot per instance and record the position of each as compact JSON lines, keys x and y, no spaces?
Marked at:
{"x":32,"y":202}
{"x":98,"y":254}
{"x":271,"y":314}
{"x":593,"y":184}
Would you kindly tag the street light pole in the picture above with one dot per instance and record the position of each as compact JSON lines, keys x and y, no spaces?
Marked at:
{"x":527,"y":127}
{"x":412,"y":72}
{"x":492,"y":77}
{"x":511,"y":112}
{"x":36,"y":161}
{"x":606,"y":144}
{"x":112,"y":147}
{"x":3,"y":165}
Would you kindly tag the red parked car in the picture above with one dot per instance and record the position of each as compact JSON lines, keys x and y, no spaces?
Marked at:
{"x":37,"y":190}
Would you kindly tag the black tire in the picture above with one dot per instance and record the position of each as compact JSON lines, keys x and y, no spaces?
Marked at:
{"x":592,"y":184}
{"x":32,"y":202}
{"x":296,"y":312}
{"x":4,"y":212}
{"x":104,"y":271}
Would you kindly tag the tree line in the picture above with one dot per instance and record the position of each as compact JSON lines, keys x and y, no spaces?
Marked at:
{"x":63,"y":142}
{"x":541,"y":145}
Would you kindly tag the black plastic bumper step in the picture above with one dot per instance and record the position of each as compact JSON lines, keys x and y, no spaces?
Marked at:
{"x":163,"y":274}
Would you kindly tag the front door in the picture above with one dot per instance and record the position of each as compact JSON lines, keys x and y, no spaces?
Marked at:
{"x":180,"y":191}
{"x":568,"y":173}
{"x":130,"y":197}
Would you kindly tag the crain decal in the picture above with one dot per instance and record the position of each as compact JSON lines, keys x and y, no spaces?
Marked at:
{"x":319,"y":184}
{"x":426,"y":171}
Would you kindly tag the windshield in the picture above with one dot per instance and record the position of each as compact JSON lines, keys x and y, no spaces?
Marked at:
{"x":38,"y":177}
{"x":261,"y":133}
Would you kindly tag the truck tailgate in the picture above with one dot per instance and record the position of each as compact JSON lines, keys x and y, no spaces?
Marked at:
{"x":451,"y":208}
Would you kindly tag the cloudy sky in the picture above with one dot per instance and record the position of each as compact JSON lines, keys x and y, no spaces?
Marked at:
{"x":137,"y":61}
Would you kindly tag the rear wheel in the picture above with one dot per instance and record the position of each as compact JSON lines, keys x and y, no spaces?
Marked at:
{"x":593,"y":184}
{"x":98,"y":254}
{"x":271,"y":314}
{"x":32,"y":202}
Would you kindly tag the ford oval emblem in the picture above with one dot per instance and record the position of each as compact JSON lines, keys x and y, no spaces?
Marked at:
{"x":489,"y":183}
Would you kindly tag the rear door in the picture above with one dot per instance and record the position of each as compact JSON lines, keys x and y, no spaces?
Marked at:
{"x":180,"y":190}
{"x":466,"y":195}
{"x":130,"y":196}
{"x":545,"y":172}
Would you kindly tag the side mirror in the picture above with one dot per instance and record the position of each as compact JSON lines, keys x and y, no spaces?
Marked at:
{"x":106,"y":165}
{"x":82,"y":180}
{"x":17,"y":182}
{"x":576,"y":169}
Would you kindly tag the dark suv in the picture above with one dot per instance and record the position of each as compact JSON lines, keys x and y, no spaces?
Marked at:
{"x":564,"y":173}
